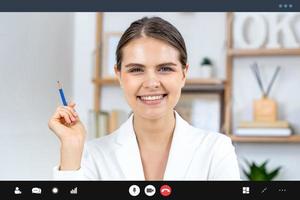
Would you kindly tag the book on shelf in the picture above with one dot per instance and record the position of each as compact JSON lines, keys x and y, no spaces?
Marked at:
{"x":102,"y":127}
{"x":97,"y":124}
{"x":116,"y":118}
{"x":260,"y":124}
{"x":263,"y":132}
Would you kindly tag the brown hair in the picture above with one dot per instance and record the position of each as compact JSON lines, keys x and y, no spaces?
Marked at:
{"x":154,"y":27}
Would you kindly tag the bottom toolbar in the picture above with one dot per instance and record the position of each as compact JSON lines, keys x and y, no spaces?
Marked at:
{"x":147,"y":189}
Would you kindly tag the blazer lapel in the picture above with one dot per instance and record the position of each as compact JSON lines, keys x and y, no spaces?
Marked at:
{"x":128,"y":154}
{"x":181,"y":152}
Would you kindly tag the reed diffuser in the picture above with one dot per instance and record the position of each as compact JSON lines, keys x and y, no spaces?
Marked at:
{"x":264,"y":109}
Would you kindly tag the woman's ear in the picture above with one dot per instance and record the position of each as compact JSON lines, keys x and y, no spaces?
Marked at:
{"x":184,"y":72}
{"x":118,"y":74}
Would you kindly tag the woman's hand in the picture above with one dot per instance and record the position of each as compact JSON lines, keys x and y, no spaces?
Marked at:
{"x":67,"y":126}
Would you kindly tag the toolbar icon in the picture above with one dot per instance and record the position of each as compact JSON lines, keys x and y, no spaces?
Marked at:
{"x":54,"y":190}
{"x":165,"y":190}
{"x":17,"y":190}
{"x":134,"y":190}
{"x":74,"y":191}
{"x":150,"y":190}
{"x":264,"y":190}
{"x":282,"y":190}
{"x":246,"y":190}
{"x":36,"y":190}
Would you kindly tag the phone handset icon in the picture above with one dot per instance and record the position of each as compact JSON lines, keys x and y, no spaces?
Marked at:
{"x":165,"y":190}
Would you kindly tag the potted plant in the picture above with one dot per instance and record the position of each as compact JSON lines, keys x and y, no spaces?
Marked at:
{"x":259,"y":172}
{"x":206,"y":68}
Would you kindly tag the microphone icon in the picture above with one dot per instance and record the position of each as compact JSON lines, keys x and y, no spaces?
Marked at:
{"x":134,"y":190}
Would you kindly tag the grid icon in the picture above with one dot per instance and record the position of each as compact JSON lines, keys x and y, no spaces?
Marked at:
{"x":246,"y":190}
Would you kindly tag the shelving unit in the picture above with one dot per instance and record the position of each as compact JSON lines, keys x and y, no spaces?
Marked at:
{"x":233,"y":53}
{"x":222,"y":87}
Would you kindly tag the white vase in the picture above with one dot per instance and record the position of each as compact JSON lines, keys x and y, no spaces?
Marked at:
{"x":206,"y":71}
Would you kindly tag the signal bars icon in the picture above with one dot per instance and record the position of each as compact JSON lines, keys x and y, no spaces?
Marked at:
{"x":74,"y":191}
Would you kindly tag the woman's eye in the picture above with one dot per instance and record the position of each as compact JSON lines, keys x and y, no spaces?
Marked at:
{"x":135,"y":70}
{"x":165,"y":69}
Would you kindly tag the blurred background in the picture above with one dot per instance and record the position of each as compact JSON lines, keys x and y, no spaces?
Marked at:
{"x":37,"y":49}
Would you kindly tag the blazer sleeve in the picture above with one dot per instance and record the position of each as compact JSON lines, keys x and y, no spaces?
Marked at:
{"x":88,"y":170}
{"x":224,"y":164}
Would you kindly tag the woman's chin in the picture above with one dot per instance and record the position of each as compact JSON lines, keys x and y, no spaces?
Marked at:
{"x":153,"y":114}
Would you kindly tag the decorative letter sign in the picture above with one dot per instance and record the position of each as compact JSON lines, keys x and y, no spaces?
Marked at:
{"x":274,"y":30}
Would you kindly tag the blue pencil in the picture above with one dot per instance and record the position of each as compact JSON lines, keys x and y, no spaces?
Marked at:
{"x":61,"y":92}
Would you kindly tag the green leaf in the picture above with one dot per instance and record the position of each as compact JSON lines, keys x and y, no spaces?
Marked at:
{"x":263,"y":166}
{"x":206,"y":61}
{"x":273,"y":173}
{"x":259,"y":172}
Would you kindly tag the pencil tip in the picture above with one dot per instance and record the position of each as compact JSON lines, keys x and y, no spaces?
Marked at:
{"x":59,"y":85}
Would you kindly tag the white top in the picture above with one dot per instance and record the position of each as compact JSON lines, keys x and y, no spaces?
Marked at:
{"x":195,"y":154}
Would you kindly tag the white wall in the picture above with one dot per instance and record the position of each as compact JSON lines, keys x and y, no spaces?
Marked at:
{"x":84,"y":63}
{"x":36,"y":50}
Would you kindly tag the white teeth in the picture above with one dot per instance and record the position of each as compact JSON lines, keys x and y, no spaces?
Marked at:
{"x":151,"y":98}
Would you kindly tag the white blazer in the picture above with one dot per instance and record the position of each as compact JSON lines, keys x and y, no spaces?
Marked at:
{"x":195,"y":154}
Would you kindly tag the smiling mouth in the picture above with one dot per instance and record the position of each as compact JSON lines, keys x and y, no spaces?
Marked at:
{"x":152,"y":97}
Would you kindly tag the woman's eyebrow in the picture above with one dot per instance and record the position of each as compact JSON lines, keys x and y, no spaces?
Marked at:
{"x":134,"y":65}
{"x":167,"y":63}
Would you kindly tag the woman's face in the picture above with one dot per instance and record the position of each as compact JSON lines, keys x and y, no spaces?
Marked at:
{"x":151,"y":77}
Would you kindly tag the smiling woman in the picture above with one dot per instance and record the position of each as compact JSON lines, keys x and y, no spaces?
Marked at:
{"x":155,"y":143}
{"x":151,"y":76}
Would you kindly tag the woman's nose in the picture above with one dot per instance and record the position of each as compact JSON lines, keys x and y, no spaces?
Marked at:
{"x":151,"y":82}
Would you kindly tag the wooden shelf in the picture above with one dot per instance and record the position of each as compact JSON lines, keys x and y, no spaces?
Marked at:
{"x":204,"y":85}
{"x":263,"y":52}
{"x":210,"y":81}
{"x":287,"y":139}
{"x":106,"y":81}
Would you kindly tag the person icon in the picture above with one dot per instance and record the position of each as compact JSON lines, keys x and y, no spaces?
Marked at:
{"x":18,"y":191}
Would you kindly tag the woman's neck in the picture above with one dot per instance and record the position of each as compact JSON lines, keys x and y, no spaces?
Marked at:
{"x":154,"y":133}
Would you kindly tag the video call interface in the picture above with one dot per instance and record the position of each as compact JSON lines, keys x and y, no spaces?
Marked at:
{"x":191,"y":101}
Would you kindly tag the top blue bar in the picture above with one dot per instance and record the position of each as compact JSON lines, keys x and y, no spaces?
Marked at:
{"x":150,"y":5}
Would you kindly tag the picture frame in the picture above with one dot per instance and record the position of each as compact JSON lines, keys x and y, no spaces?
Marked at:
{"x":201,"y":110}
{"x":110,"y":43}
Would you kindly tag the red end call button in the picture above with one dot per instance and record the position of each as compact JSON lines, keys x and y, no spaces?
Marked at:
{"x":165,"y":190}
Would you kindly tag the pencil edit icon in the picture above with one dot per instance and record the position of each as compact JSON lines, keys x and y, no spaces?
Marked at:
{"x":264,"y":190}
